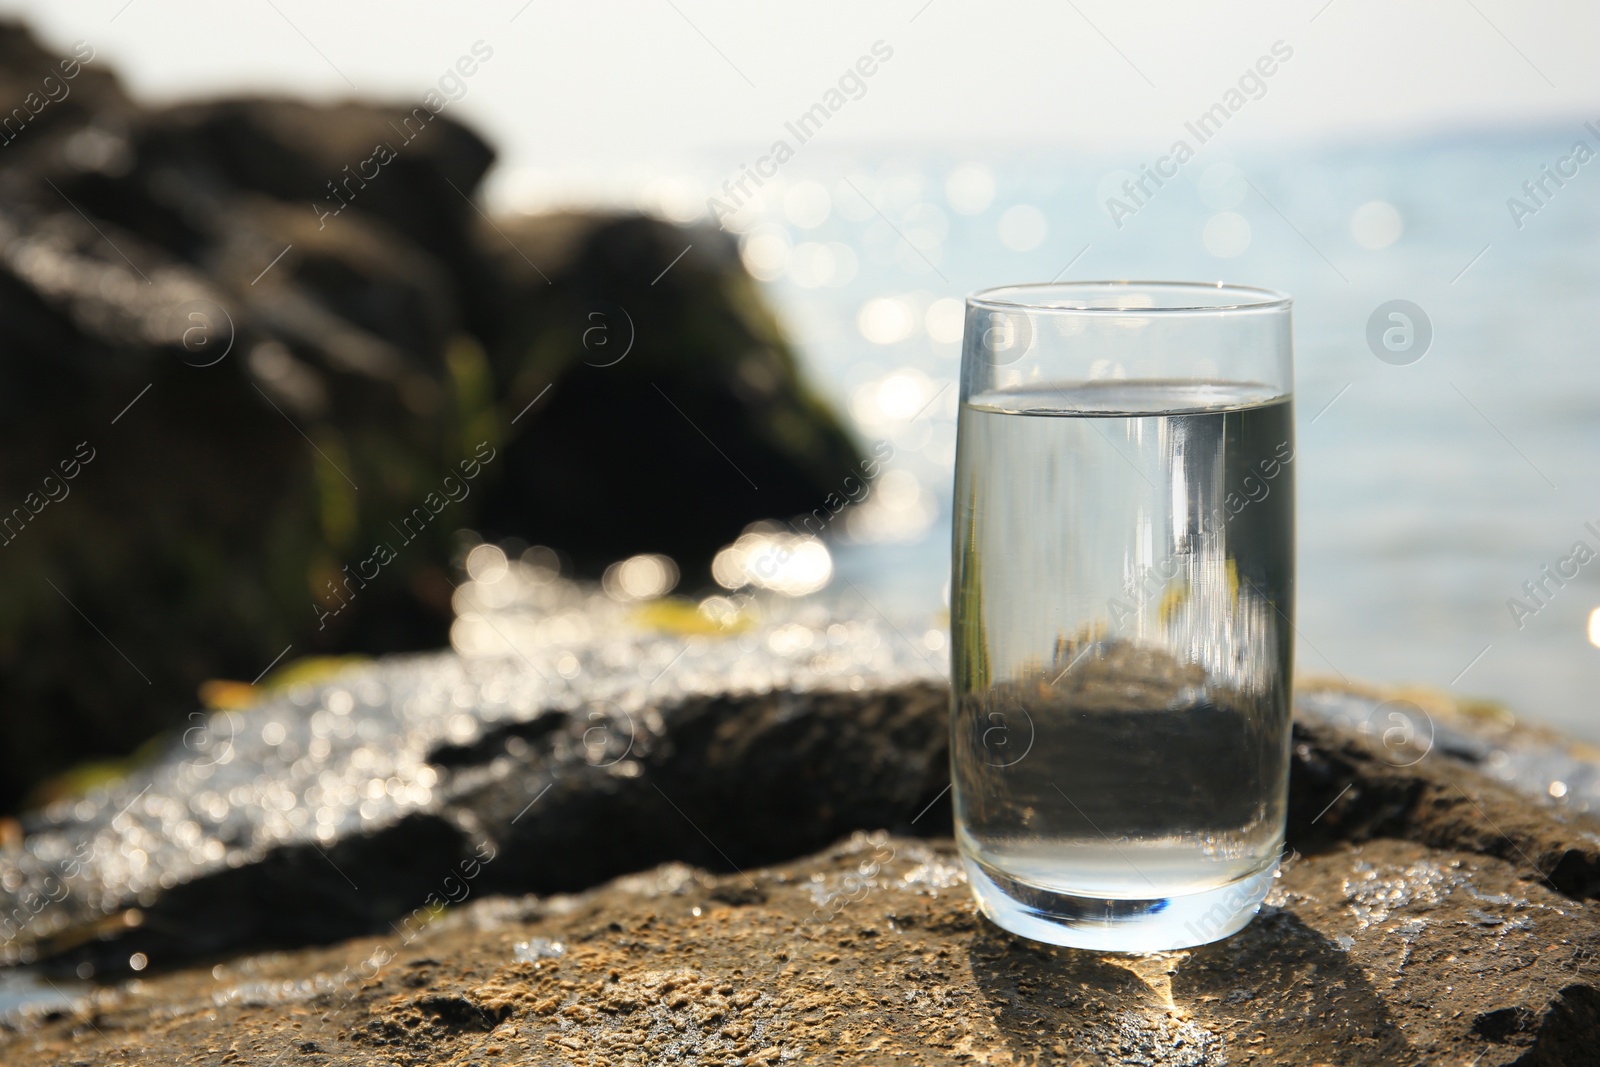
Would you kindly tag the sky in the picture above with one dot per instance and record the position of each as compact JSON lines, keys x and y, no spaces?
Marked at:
{"x":591,"y":86}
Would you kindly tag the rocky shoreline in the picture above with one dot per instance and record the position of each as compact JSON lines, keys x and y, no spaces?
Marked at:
{"x":1436,"y":904}
{"x":1385,"y":952}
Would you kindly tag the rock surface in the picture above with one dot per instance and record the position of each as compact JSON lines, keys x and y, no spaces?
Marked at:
{"x":1386,"y":952}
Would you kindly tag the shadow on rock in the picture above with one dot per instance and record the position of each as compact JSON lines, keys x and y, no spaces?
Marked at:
{"x":1571,"y":1025}
{"x":1277,"y":988}
{"x":1062,"y":1002}
{"x":1280,"y":977}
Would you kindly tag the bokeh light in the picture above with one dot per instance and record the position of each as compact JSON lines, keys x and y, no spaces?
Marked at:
{"x":642,"y":577}
{"x":766,"y":558}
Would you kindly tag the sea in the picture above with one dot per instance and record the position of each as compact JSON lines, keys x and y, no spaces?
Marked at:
{"x":1448,"y":461}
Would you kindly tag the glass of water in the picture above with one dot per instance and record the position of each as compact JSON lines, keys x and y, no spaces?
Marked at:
{"x":1122,"y":601}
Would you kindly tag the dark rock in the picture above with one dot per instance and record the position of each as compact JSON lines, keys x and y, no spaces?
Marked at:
{"x":49,"y":94}
{"x":329,"y":808}
{"x":1504,"y":1024}
{"x":246,"y":433}
{"x":721,"y":788}
{"x":1340,"y":791}
{"x":660,"y":356}
{"x":255,"y":392}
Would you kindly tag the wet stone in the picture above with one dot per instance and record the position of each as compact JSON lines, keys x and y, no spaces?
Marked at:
{"x":584,"y":744}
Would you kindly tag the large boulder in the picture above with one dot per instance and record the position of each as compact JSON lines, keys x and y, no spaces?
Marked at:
{"x":667,"y":370}
{"x":247,"y":399}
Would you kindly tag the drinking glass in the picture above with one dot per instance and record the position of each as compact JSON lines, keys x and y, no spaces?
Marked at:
{"x":1122,"y":604}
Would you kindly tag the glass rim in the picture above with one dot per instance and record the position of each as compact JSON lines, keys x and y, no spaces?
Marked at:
{"x":1240,"y":297}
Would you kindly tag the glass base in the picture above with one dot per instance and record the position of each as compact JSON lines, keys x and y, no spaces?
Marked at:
{"x":1153,"y":925}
